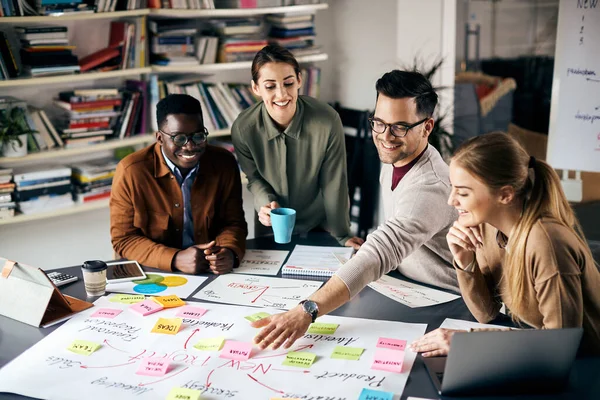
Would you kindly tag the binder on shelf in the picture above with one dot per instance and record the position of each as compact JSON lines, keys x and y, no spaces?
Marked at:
{"x":27,"y":295}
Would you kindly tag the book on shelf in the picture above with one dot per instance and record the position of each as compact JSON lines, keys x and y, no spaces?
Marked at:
{"x":99,"y":58}
{"x":34,"y":173}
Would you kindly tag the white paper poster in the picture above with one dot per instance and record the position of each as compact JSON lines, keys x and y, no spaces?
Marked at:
{"x":451,"y":323}
{"x":119,"y":368}
{"x":410,"y":294}
{"x":258,"y":291}
{"x":159,"y":284}
{"x":261,"y":262}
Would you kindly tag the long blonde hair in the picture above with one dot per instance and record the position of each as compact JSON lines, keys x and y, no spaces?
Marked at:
{"x":498,"y":160}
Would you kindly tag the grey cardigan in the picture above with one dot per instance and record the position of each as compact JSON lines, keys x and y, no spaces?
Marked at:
{"x":413,"y":237}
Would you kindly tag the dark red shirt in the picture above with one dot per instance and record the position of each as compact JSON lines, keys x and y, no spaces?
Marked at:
{"x":399,"y":172}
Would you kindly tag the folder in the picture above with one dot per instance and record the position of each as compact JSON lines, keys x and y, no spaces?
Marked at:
{"x":29,"y":296}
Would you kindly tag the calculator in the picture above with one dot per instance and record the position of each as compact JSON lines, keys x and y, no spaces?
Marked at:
{"x":60,"y":278}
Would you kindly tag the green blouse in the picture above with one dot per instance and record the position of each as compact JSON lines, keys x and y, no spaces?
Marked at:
{"x":303,"y":167}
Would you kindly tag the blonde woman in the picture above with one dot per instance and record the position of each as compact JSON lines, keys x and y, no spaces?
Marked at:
{"x":517,"y":241}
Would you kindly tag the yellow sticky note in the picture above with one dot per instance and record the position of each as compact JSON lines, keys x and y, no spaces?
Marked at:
{"x":83,"y":347}
{"x":301,"y":359}
{"x":322,"y":328}
{"x":170,"y":326}
{"x":347,"y":353}
{"x":171,"y":301}
{"x":258,"y":316}
{"x":183,"y":394}
{"x":210,"y":344}
{"x":128,"y":298}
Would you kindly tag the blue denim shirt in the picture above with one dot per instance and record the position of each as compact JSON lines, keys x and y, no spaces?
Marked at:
{"x":186,"y":191}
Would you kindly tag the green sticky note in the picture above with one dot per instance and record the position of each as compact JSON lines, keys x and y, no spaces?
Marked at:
{"x":128,"y":298}
{"x":184,"y":394}
{"x":300,"y":359}
{"x":210,"y":344}
{"x":83,"y":347}
{"x":322,"y":328}
{"x":347,"y":353}
{"x":257,"y":316}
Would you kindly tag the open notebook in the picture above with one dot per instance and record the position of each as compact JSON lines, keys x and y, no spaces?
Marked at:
{"x":316,"y":260}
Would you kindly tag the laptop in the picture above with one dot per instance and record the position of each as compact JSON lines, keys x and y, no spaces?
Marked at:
{"x":506,"y":362}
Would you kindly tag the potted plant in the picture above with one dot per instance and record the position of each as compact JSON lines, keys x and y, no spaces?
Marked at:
{"x":13,"y":132}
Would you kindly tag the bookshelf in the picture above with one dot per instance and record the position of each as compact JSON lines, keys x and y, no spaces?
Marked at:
{"x":75,"y":209}
{"x":235,"y":12}
{"x":73,"y":17}
{"x":64,"y":79}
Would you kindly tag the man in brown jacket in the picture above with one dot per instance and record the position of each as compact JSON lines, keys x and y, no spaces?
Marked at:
{"x":177,"y":204}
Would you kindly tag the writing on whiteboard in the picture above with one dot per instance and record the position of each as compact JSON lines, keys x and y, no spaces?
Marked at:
{"x":587,"y":3}
{"x":580,"y":71}
{"x":587,"y":117}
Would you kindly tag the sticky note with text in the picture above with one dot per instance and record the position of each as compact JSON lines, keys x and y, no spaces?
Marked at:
{"x":83,"y":347}
{"x":302,"y":359}
{"x":154,"y":366}
{"x":179,"y":393}
{"x":394,"y":344}
{"x":171,"y":301}
{"x":257,"y":316}
{"x":127,"y":298}
{"x":106,"y":313}
{"x":236,"y":350}
{"x":191,"y":312}
{"x":322,"y":328}
{"x":210,"y":344}
{"x":146,"y":307}
{"x":370,"y":394}
{"x":169,"y":326}
{"x":388,"y":360}
{"x":347,"y":353}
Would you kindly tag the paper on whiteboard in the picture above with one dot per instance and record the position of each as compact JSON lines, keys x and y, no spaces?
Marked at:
{"x":160,"y":284}
{"x":258,"y":291}
{"x":451,"y":323}
{"x":410,"y":294}
{"x":49,"y":371}
{"x":261,"y":262}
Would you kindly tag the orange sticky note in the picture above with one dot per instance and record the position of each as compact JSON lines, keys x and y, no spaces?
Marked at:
{"x":169,"y":326}
{"x":171,"y":301}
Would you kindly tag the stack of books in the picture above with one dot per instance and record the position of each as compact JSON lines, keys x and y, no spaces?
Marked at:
{"x":43,"y":188}
{"x":173,"y":42}
{"x":89,"y":115}
{"x":45,"y":51}
{"x":240,"y":39}
{"x":7,"y":187}
{"x":119,"y":5}
{"x":46,"y":135}
{"x":295,"y":32}
{"x":132,"y":120}
{"x":8,"y":63}
{"x":93,"y":179}
{"x":61,"y":7}
{"x":183,"y":4}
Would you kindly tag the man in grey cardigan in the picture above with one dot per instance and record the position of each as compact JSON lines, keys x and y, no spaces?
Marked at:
{"x":415,"y":186}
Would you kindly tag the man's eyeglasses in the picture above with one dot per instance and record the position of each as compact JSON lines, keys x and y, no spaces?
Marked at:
{"x":181,"y":139}
{"x":397,"y":130}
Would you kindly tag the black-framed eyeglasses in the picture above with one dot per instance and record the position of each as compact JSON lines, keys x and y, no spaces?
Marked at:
{"x":181,"y":139}
{"x":397,"y":130}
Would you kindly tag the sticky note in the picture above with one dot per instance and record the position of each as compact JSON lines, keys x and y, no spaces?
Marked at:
{"x":210,"y":344}
{"x":236,"y":350}
{"x":146,"y":307}
{"x":171,"y":301}
{"x":394,"y":344}
{"x":370,"y":394}
{"x":322,"y":328}
{"x":347,"y":353}
{"x":191,"y":312}
{"x":83,"y":347}
{"x":169,"y":326}
{"x":106,"y":313}
{"x":128,"y":298}
{"x":257,"y":316}
{"x":301,"y":359}
{"x":154,"y":366}
{"x":183,"y":394}
{"x":388,"y":360}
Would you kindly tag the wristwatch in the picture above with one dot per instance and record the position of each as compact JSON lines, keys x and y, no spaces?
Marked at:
{"x":311,"y":308}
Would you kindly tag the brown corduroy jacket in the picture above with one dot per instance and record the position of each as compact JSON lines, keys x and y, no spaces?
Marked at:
{"x":146,"y":206}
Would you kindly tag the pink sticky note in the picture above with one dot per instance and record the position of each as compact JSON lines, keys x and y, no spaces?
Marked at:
{"x":154,"y":366}
{"x":394,"y":344}
{"x":191,"y":312}
{"x":236,"y":350}
{"x":388,"y":360}
{"x":106,"y":313}
{"x":146,"y":307}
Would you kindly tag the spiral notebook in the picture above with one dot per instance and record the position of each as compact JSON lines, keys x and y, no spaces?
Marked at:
{"x":316,"y":260}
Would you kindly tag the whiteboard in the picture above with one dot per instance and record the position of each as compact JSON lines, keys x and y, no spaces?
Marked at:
{"x":574,"y":138}
{"x":49,"y":371}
